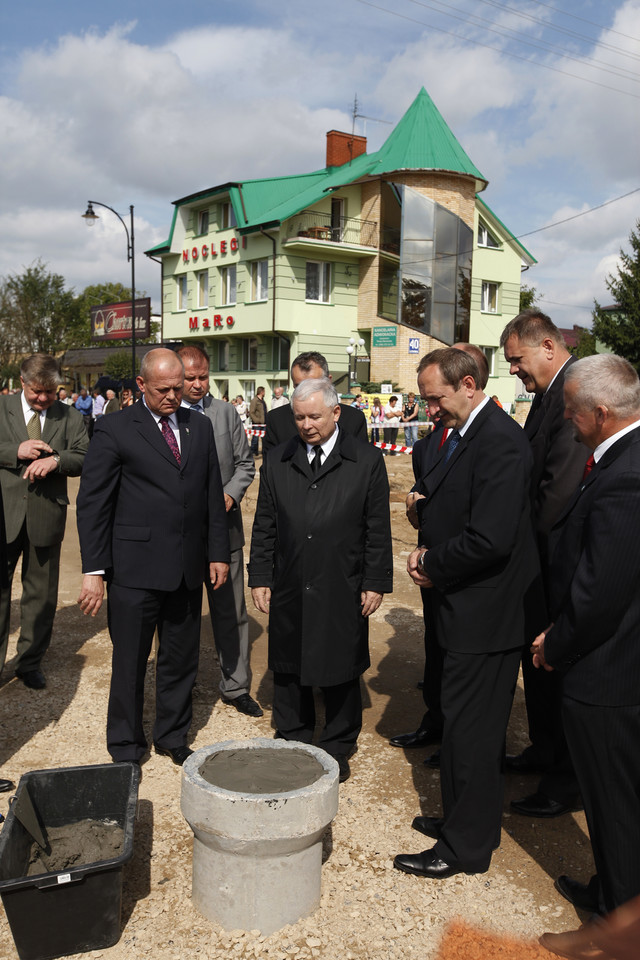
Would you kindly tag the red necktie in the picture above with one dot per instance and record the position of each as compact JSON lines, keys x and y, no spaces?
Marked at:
{"x":443,"y":438}
{"x":588,"y":467}
{"x":170,"y":437}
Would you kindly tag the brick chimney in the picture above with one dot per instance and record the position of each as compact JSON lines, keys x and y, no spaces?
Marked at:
{"x":343,"y":147}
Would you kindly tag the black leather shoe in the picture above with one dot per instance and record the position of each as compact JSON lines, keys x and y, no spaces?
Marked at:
{"x":430,"y":826}
{"x":578,"y":894}
{"x":433,"y":761}
{"x":34,"y":679}
{"x":523,"y":763}
{"x":417,"y":738}
{"x":425,"y":864}
{"x":245,"y":704}
{"x":539,"y":805}
{"x":6,"y":785}
{"x":345,"y":769}
{"x":177,"y":754}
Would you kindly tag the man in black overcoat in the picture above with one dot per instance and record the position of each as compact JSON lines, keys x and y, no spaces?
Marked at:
{"x":321,"y":560}
{"x":593,"y":640}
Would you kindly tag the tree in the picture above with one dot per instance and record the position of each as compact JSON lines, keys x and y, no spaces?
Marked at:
{"x":94,"y":296}
{"x":619,"y":328}
{"x":527,"y":297}
{"x":586,"y":345}
{"x":38,"y":314}
{"x":118,"y":364}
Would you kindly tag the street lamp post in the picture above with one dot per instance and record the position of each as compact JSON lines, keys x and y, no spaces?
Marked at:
{"x":352,"y":351}
{"x":90,"y":218}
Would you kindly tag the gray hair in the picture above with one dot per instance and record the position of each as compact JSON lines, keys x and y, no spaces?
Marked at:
{"x":306,"y":388}
{"x":606,"y":380}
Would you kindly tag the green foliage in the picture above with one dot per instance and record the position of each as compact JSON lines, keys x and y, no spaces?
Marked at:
{"x":586,"y":345}
{"x":118,"y":363}
{"x":620,"y":329}
{"x":38,"y":314}
{"x":527,"y":297}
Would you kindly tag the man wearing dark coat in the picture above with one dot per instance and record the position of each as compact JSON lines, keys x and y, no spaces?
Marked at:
{"x":592,"y":642}
{"x":321,"y":560}
{"x":281,"y":425}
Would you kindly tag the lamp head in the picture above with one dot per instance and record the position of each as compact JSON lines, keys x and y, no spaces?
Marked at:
{"x":90,"y":216}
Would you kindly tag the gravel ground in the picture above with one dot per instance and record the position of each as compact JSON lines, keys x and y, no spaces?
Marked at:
{"x":368,"y":909}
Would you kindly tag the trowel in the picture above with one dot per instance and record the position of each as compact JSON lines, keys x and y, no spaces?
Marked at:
{"x":25,"y":812}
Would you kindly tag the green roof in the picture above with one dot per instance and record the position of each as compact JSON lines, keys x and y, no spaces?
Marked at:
{"x":489,"y":211}
{"x":421,"y":141}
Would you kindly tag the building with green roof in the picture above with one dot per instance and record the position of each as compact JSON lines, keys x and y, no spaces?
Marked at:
{"x":394,"y":248}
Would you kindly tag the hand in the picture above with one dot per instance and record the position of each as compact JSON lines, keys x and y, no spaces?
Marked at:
{"x":261,"y":597}
{"x":412,"y":510}
{"x":38,"y":469}
{"x":412,"y":568}
{"x":31,"y":449}
{"x":218,"y":573}
{"x":229,"y":502}
{"x":91,"y":594}
{"x":537,"y":649}
{"x":370,"y":601}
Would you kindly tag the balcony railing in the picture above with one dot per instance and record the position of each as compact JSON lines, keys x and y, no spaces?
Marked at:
{"x":321,"y":226}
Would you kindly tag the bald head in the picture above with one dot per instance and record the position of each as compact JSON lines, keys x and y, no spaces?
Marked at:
{"x":161,"y":381}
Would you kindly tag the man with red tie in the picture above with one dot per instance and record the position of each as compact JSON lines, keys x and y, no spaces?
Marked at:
{"x":152,"y":523}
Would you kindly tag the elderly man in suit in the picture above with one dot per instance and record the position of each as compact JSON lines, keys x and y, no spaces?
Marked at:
{"x":42,"y":442}
{"x":281,"y":425}
{"x":320,"y":563}
{"x":592,"y":642}
{"x":480,"y":565}
{"x":537,"y":355}
{"x":424,"y":455}
{"x":227,"y":607}
{"x":152,"y":521}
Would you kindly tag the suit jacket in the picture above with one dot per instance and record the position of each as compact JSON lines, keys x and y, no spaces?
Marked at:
{"x":142,"y":517}
{"x":319,"y":540}
{"x":595,"y":583}
{"x":281,"y":426}
{"x":43,"y":503}
{"x":558,"y":460}
{"x":476,"y":524}
{"x":111,"y":406}
{"x":237,"y":467}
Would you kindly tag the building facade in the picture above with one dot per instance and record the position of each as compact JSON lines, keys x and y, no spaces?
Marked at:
{"x":395,"y":249}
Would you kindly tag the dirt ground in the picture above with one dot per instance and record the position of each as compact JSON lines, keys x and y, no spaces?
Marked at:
{"x":368,"y":909}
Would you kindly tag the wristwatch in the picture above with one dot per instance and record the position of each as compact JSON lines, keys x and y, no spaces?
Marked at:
{"x":420,"y":564}
{"x":56,"y":457}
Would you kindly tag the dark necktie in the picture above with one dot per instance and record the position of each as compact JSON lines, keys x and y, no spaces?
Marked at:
{"x":170,"y":437}
{"x":454,"y":440}
{"x":197,"y":407}
{"x":317,"y":457}
{"x":588,"y":467}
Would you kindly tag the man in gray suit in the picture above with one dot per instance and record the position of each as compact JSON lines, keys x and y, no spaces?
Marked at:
{"x":229,"y":618}
{"x":42,"y":442}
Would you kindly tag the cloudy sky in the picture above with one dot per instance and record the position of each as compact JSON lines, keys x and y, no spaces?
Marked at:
{"x":144,"y":101}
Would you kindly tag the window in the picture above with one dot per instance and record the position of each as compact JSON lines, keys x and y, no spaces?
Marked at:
{"x":318,"y":286}
{"x":203,"y":288}
{"x":222,"y":359}
{"x":249,"y":353}
{"x":227,"y":216}
{"x":486,"y":239}
{"x":280,"y":354}
{"x":248,"y":389}
{"x":259,"y":279}
{"x":203,"y":221}
{"x":489,"y":302}
{"x":228,"y":276}
{"x":181,"y":298}
{"x":490,"y":354}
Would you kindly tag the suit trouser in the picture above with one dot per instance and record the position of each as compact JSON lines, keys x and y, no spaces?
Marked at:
{"x":133,"y":616}
{"x":433,"y":660}
{"x":230,"y":625}
{"x":604,"y":744}
{"x":477,"y":693}
{"x":294,"y":713}
{"x":40,"y":572}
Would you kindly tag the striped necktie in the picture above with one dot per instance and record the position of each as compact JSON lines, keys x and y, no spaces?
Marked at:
{"x":454,"y":440}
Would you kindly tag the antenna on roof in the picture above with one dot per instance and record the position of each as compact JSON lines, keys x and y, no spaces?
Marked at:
{"x":362,"y":116}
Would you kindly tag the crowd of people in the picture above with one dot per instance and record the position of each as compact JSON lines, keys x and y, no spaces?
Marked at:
{"x":526,"y":556}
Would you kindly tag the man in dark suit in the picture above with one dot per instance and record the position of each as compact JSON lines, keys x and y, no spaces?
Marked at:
{"x":280,"y":422}
{"x":537,"y":355}
{"x":5,"y":785}
{"x":479,"y":562}
{"x":151,"y":520}
{"x":227,"y":607}
{"x":42,"y":442}
{"x":321,"y":561}
{"x":424,"y":455}
{"x":595,"y":625}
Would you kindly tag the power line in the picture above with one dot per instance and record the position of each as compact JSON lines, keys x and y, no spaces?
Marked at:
{"x":505,"y":53}
{"x":574,"y":16}
{"x":557,"y":223}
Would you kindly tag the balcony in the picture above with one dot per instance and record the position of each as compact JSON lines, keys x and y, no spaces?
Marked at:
{"x":311,"y":228}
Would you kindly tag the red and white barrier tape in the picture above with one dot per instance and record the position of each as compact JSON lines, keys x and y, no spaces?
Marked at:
{"x":395,"y":447}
